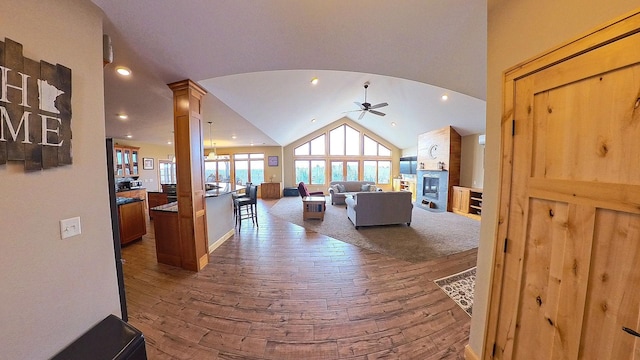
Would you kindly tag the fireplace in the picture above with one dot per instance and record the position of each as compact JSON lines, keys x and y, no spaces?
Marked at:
{"x":430,"y":186}
{"x":433,"y":189}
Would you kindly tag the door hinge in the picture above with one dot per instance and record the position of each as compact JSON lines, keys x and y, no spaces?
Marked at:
{"x":513,"y":127}
{"x":506,"y":241}
{"x":493,"y":351}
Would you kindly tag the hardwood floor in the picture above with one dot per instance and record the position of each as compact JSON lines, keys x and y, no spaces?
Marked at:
{"x":279,"y":292}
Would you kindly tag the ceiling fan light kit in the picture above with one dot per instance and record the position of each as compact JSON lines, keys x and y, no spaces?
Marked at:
{"x":367,"y":107}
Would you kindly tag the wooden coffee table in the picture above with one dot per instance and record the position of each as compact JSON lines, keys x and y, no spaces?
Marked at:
{"x":313,"y":207}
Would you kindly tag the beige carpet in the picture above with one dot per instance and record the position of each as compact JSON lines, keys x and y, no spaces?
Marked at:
{"x":431,"y":234}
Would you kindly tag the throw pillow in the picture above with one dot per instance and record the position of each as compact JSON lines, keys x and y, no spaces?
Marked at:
{"x":373,"y":188}
{"x":341,"y":188}
{"x":365,"y":187}
{"x":335,"y":189}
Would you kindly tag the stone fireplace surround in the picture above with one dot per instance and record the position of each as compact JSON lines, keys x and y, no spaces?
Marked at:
{"x":433,"y":203}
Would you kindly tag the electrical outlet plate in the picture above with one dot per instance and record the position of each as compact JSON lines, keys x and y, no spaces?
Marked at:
{"x":70,"y":227}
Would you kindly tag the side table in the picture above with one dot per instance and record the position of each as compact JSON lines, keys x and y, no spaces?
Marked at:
{"x":313,"y":207}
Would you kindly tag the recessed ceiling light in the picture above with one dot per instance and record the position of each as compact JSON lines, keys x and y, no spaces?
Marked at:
{"x":129,"y":136}
{"x":313,"y":120}
{"x":393,"y":124}
{"x":169,"y":143}
{"x":234,"y":137}
{"x":444,"y":97}
{"x":124,"y":71}
{"x":314,"y":80}
{"x":123,"y":116}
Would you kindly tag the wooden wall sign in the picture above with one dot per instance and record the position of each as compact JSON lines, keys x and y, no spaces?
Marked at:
{"x":35,"y":110}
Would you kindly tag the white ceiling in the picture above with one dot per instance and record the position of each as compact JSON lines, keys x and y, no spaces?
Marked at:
{"x":256,"y":59}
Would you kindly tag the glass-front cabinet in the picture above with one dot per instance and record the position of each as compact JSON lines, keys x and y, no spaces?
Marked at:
{"x":126,"y":161}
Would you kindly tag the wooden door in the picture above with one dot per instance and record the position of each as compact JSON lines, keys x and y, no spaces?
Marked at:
{"x":567,"y":278}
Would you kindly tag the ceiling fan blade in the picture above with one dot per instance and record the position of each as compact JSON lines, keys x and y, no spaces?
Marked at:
{"x":362,"y":107}
{"x":350,"y":111}
{"x":377,"y":113}
{"x":379,"y":105}
{"x":361,"y":115}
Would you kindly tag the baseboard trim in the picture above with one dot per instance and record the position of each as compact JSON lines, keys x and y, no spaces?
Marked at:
{"x":221,"y":240}
{"x":469,"y":354}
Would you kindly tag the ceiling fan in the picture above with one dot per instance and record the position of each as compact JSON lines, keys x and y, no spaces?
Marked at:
{"x":367,"y":107}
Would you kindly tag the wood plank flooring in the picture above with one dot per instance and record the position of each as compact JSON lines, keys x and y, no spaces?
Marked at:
{"x":279,"y":292}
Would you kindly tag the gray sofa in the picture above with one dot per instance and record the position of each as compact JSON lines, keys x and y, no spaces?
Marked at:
{"x":380,"y":208}
{"x":349,"y":188}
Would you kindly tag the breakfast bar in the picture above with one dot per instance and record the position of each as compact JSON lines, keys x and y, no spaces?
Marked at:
{"x":220,"y":225}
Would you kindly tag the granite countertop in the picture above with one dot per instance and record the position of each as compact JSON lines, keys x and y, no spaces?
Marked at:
{"x":125,"y":200}
{"x":170,"y":207}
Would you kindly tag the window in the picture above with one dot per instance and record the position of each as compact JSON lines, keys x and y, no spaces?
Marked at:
{"x":313,"y":147}
{"x":378,"y":171}
{"x":167,"y":171}
{"x":218,"y":170}
{"x":310,"y":171}
{"x":249,"y":168}
{"x":344,"y":170}
{"x":374,"y":148}
{"x":344,"y":140}
{"x":350,"y":154}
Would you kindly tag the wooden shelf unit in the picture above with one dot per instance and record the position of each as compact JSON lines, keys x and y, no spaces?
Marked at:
{"x":313,"y":207}
{"x":467,"y":201}
{"x":405,"y":185}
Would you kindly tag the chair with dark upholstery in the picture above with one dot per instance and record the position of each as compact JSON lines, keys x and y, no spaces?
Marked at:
{"x":246,"y":207}
{"x":302,"y":189}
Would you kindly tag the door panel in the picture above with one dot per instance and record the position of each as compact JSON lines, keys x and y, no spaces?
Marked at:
{"x":568,"y":280}
{"x":614,"y":280}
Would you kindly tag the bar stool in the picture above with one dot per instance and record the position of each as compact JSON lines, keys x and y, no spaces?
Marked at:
{"x":235,"y":196}
{"x":246,"y":207}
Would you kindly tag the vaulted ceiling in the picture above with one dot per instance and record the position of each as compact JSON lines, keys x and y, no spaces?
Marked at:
{"x":257,"y":58}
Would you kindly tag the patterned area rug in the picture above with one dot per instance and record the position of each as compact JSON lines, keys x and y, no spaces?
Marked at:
{"x":459,"y":287}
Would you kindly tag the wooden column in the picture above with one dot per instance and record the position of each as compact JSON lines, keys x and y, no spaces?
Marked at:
{"x":192,"y":223}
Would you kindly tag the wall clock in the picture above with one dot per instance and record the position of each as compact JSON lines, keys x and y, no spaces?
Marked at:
{"x":433,"y":151}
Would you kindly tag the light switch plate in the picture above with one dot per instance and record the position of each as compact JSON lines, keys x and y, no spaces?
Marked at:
{"x":70,"y":227}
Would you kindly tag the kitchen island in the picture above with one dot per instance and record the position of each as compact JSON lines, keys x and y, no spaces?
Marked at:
{"x":220,"y":225}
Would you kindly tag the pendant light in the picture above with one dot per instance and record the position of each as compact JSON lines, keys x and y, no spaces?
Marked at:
{"x":212,"y":153}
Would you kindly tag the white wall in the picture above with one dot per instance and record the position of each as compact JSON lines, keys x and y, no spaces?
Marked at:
{"x":517,"y":31}
{"x":472,"y":162}
{"x":53,"y":290}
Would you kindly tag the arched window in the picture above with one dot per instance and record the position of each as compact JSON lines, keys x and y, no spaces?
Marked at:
{"x":351,"y":156}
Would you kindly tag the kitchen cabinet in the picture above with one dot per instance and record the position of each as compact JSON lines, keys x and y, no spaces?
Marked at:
{"x":135,"y":194}
{"x":126,"y":160}
{"x":131,"y":220}
{"x":271,"y":190}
